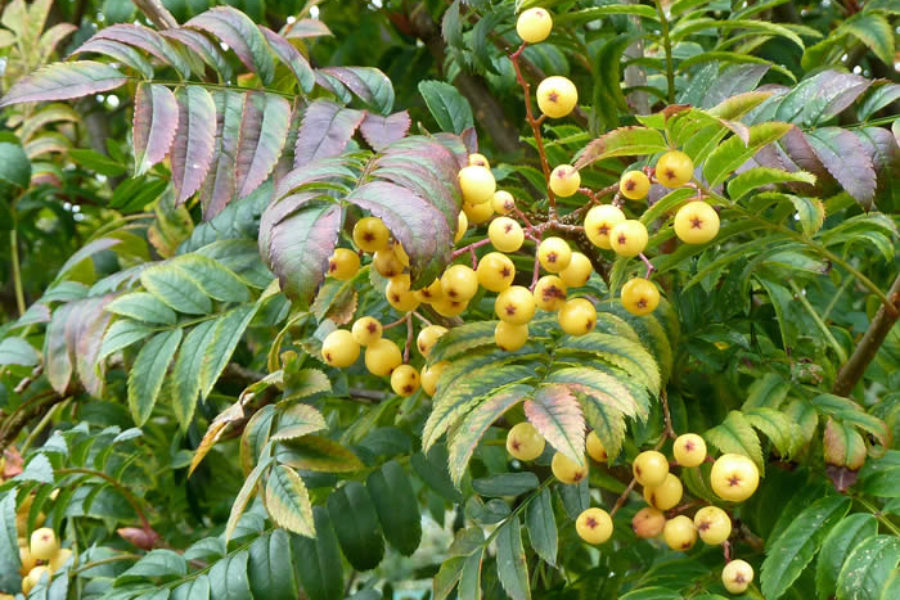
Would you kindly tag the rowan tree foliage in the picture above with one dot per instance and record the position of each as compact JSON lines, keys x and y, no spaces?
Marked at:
{"x":431,"y":299}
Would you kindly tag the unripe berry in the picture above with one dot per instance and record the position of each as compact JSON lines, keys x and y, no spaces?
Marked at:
{"x":628,"y":238}
{"x":666,"y":495}
{"x":405,"y":380}
{"x":478,"y":213}
{"x":506,"y":235}
{"x":577,"y":316}
{"x":689,"y":450}
{"x":696,"y":222}
{"x":60,"y":559}
{"x":556,"y":96}
{"x":431,"y":374}
{"x":382,"y":357}
{"x":680,"y":533}
{"x":447,"y":307}
{"x":27,"y":560}
{"x":595,"y":448}
{"x":386,"y":263}
{"x":674,"y":169}
{"x":477,"y":184}
{"x":550,"y":293}
{"x":503,"y":202}
{"x":432,"y":292}
{"x":339,"y":349}
{"x":734,"y":477}
{"x":400,"y":253}
{"x":479,"y":160}
{"x":515,"y":305}
{"x":462,"y":224}
{"x":495,"y":272}
{"x":634,"y":185}
{"x":648,"y":522}
{"x":524,"y":442}
{"x":640,"y":296}
{"x":737,"y":576}
{"x":428,"y":337}
{"x":459,"y":283}
{"x":370,"y":234}
{"x":565,"y":181}
{"x":599,"y":222}
{"x":44,"y":543}
{"x":713,"y":524}
{"x":366,"y":330}
{"x":510,"y":337}
{"x":554,"y":254}
{"x":34,"y":577}
{"x":567,"y":470}
{"x":594,"y":526}
{"x":650,"y":468}
{"x":400,"y":296}
{"x":534,"y":25}
{"x":343,"y":264}
{"x":578,"y":272}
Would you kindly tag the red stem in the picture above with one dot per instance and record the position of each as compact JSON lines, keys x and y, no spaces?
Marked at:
{"x":470,"y":247}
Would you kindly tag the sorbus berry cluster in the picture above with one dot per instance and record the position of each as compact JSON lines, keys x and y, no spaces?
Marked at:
{"x":41,"y":557}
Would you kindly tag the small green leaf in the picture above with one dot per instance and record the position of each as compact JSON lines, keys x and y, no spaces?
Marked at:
{"x":244,"y":496}
{"x":541,"y":524}
{"x":448,"y":107}
{"x":228,"y":579}
{"x":624,"y":141}
{"x":185,"y":384}
{"x":288,"y":501}
{"x":397,"y":507}
{"x":142,"y":306}
{"x":15,"y":168}
{"x":298,"y":420}
{"x":318,"y":560}
{"x":9,"y":547}
{"x":176,"y":289}
{"x":511,"y":566}
{"x":146,"y":377}
{"x":735,"y":434}
{"x":16,"y":351}
{"x":506,"y":484}
{"x":164,"y":564}
{"x":314,"y":453}
{"x":733,"y":152}
{"x":270,"y":571}
{"x":356,"y":525}
{"x":757,"y":177}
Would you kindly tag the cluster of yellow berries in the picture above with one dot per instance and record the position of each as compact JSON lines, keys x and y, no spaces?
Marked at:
{"x":39,"y":557}
{"x":733,"y":478}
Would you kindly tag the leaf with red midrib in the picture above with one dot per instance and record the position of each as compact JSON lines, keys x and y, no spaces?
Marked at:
{"x":155,"y":123}
{"x":192,"y":149}
{"x":556,"y":414}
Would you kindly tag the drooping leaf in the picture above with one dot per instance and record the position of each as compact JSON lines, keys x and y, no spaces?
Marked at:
{"x":242,"y":35}
{"x":155,"y":122}
{"x":874,"y":31}
{"x":64,"y":81}
{"x":228,"y":332}
{"x":220,"y":189}
{"x":244,"y":495}
{"x":511,"y":566}
{"x":541,"y":524}
{"x":192,"y":148}
{"x":206,"y":49}
{"x":185,"y":384}
{"x":228,"y":578}
{"x":9,"y":548}
{"x":557,"y":416}
{"x":16,"y":351}
{"x":325,"y":130}
{"x":315,"y":453}
{"x":843,"y":445}
{"x":122,"y":53}
{"x":146,"y":376}
{"x":288,"y":501}
{"x":758,"y":177}
{"x":121,"y":334}
{"x":734,"y":152}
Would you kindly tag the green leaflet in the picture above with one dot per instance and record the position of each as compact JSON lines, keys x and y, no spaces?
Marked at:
{"x":731,"y":154}
{"x":356,"y":525}
{"x":185,"y":383}
{"x":298,"y":420}
{"x":142,"y":306}
{"x":176,"y":289}
{"x":146,"y":376}
{"x":757,"y":177}
{"x":244,"y":496}
{"x":735,"y":434}
{"x":556,"y":414}
{"x":228,"y":578}
{"x":870,"y":569}
{"x":228,"y":332}
{"x":270,"y":571}
{"x":318,"y":560}
{"x":541,"y":524}
{"x":628,"y":355}
{"x":511,"y":566}
{"x":397,"y":507}
{"x":287,"y":501}
{"x":837,"y":546}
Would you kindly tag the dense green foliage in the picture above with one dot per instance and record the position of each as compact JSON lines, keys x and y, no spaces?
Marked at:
{"x":175,"y":176}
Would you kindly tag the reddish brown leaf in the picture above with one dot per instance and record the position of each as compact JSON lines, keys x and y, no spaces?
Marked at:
{"x":556,"y":414}
{"x":242,"y":35}
{"x":263,"y":132}
{"x":203,"y":47}
{"x":843,"y":445}
{"x":145,"y":539}
{"x":155,"y":122}
{"x":380,"y":131}
{"x":219,"y":188}
{"x":292,"y":58}
{"x":306,"y":28}
{"x":325,"y":131}
{"x":192,"y":149}
{"x":149,"y":41}
{"x":64,"y":81}
{"x":846,"y":159}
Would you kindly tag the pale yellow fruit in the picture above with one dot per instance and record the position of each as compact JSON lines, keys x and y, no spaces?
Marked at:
{"x":554,"y":254}
{"x":680,"y":533}
{"x":503,"y":202}
{"x":495,"y":272}
{"x":478,"y":213}
{"x":565,"y":180}
{"x":665,"y":495}
{"x":534,"y":25}
{"x":428,"y":337}
{"x":370,"y":234}
{"x":515,"y":305}
{"x":382,"y":357}
{"x":634,"y":185}
{"x":650,"y":468}
{"x":459,"y":283}
{"x":689,"y":450}
{"x":366,"y":330}
{"x":648,"y":522}
{"x":696,"y":222}
{"x":506,"y":234}
{"x":405,"y":380}
{"x":524,"y":442}
{"x":567,"y":470}
{"x":595,"y":447}
{"x":577,"y":316}
{"x":477,"y":184}
{"x":462,"y":224}
{"x":550,"y":293}
{"x":339,"y":349}
{"x":713,"y":524}
{"x":640,"y":296}
{"x":734,"y":477}
{"x":430,"y":376}
{"x":599,"y":222}
{"x":479,"y":160}
{"x":737,"y":576}
{"x":510,"y":337}
{"x":557,"y":96}
{"x":674,"y":169}
{"x":343,"y":264}
{"x":628,"y":238}
{"x":579,"y":270}
{"x":594,"y":526}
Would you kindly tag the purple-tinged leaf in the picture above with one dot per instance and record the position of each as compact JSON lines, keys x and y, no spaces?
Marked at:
{"x":219,"y":188}
{"x":469,"y":139}
{"x":155,"y":123}
{"x":380,"y":132}
{"x":329,"y":83}
{"x":64,"y":81}
{"x":624,"y":141}
{"x":371,"y":85}
{"x":415,"y":222}
{"x":263,"y":132}
{"x":734,"y":152}
{"x":275,"y":213}
{"x":820,"y":97}
{"x":292,"y":58}
{"x":57,"y":350}
{"x":195,"y":139}
{"x":51,"y":38}
{"x":286,"y":160}
{"x":884,"y":150}
{"x":242,"y":35}
{"x":333,"y":170}
{"x":464,"y":438}
{"x":306,"y":28}
{"x":120,"y":52}
{"x":203,"y":47}
{"x":90,"y":327}
{"x":843,"y":445}
{"x":734,"y":79}
{"x":881,"y":94}
{"x":325,"y":131}
{"x":556,"y":414}
{"x":299,"y":247}
{"x":149,"y":41}
{"x":846,"y":159}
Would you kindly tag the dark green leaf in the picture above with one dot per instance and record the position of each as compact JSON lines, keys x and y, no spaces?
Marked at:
{"x":837,"y":546}
{"x":397,"y":507}
{"x":448,"y":107}
{"x":356,"y":525}
{"x":146,"y":377}
{"x":511,"y":566}
{"x":228,"y":578}
{"x":506,"y":484}
{"x":870,"y":567}
{"x":318,"y":560}
{"x":15,"y":168}
{"x":541,"y":524}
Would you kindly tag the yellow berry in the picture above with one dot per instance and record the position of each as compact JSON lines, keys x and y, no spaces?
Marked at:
{"x":579,"y":270}
{"x":506,"y":235}
{"x":689,"y":450}
{"x":599,"y":222}
{"x":387,"y":264}
{"x":680,"y":533}
{"x":343,"y":264}
{"x":432,"y":292}
{"x":405,"y":380}
{"x":340,"y":349}
{"x":477,"y":184}
{"x":60,"y":559}
{"x":27,"y":560}
{"x":534,"y":25}
{"x":370,"y":234}
{"x":737,"y":576}
{"x":734,"y":477}
{"x":557,"y":96}
{"x":400,"y":296}
{"x":666,"y":495}
{"x":577,"y":316}
{"x":515,"y":305}
{"x":400,"y":253}
{"x":382,"y":357}
{"x":554,"y":254}
{"x":366,"y":330}
{"x":495,"y":272}
{"x":595,"y":448}
{"x":447,"y":307}
{"x":634,"y":185}
{"x":565,"y":181}
{"x":503,"y":202}
{"x":713,"y":524}
{"x":34,"y":577}
{"x":567,"y":470}
{"x":550,"y":293}
{"x":628,"y":238}
{"x":478,"y":213}
{"x":428,"y":337}
{"x":524,"y":442}
{"x":640,"y":296}
{"x":674,"y":169}
{"x":594,"y":526}
{"x":650,"y":468}
{"x":459,"y":283}
{"x":648,"y":522}
{"x":431,"y":374}
{"x":510,"y":337}
{"x":44,"y":543}
{"x":479,"y":160}
{"x":462,"y":224}
{"x":696,"y":222}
